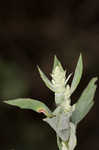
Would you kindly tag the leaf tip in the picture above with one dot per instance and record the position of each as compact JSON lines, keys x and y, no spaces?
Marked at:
{"x":40,"y":110}
{"x":80,"y":59}
{"x":40,"y":71}
{"x":55,"y":57}
{"x":80,"y":54}
{"x":5,"y":102}
{"x":95,"y":79}
{"x":38,"y":68}
{"x":55,"y":62}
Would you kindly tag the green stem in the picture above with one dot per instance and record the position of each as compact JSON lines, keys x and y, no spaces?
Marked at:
{"x":59,"y":142}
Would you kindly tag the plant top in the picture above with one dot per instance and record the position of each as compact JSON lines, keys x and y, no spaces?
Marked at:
{"x":65,"y":118}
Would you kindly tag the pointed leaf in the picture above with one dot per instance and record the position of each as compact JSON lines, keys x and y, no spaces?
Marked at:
{"x":85,"y":102}
{"x":46,"y":80}
{"x":77,"y":74}
{"x":68,"y":78}
{"x":27,"y":103}
{"x":57,"y":63}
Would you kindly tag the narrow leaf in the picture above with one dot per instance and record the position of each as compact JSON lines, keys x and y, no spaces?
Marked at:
{"x":77,"y":74}
{"x":85,"y":102}
{"x":68,"y":78}
{"x":46,"y":80}
{"x":27,"y":103}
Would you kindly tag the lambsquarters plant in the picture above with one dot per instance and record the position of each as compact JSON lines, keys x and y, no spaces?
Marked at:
{"x":65,"y":118}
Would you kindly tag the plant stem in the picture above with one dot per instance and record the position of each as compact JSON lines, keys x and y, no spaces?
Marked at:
{"x":58,"y":142}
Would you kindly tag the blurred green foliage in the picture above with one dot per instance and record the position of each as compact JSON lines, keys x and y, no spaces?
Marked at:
{"x":12,"y":81}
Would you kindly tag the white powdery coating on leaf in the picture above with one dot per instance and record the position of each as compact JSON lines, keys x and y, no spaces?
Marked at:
{"x":58,"y":79}
{"x":61,"y":88}
{"x":67,"y":92}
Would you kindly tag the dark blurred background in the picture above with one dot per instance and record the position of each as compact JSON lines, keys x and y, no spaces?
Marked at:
{"x":31,"y":32}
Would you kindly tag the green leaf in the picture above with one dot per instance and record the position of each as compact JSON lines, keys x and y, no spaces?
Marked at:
{"x":27,"y":103}
{"x":77,"y":74}
{"x":46,"y":80}
{"x":60,"y":124}
{"x":57,"y":63}
{"x":85,"y":102}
